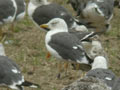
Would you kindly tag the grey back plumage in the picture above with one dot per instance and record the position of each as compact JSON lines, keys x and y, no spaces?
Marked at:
{"x":7,"y":76}
{"x":64,"y":44}
{"x":6,"y":9}
{"x":107,"y":75}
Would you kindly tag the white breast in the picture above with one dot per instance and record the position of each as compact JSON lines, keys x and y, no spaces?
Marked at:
{"x":31,"y":9}
{"x":50,"y":49}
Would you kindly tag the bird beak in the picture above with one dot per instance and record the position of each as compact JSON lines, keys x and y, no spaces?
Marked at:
{"x":45,"y":26}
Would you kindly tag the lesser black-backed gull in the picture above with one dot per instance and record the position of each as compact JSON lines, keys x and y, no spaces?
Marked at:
{"x":11,"y":76}
{"x":63,"y":45}
{"x":82,"y":34}
{"x":105,"y":74}
{"x":8,"y":9}
{"x":100,"y":70}
{"x":97,"y":12}
{"x":42,"y":11}
{"x":87,"y":83}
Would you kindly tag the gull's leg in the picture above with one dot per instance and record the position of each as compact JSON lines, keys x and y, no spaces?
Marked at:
{"x":12,"y":26}
{"x":83,"y":74}
{"x":1,"y":34}
{"x":77,"y":66}
{"x":48,"y":55}
{"x":59,"y":69}
{"x":66,"y":64}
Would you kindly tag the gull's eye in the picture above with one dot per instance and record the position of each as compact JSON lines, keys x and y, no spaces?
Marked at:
{"x":54,"y":23}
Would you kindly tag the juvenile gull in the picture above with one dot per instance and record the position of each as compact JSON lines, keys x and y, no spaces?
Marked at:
{"x":100,"y":70}
{"x":98,"y":13}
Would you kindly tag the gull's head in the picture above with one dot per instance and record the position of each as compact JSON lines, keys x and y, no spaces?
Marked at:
{"x":55,"y":24}
{"x":99,"y":62}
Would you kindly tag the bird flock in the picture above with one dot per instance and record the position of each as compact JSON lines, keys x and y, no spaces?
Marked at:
{"x":74,"y":40}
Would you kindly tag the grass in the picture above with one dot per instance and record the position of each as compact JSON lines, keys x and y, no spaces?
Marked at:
{"x":29,"y":51}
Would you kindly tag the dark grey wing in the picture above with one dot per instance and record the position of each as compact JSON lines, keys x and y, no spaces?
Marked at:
{"x":106,"y":7}
{"x":83,"y":36}
{"x":45,"y":13}
{"x":80,"y":35}
{"x":7,"y":75}
{"x":6,"y":9}
{"x":87,"y":83}
{"x":20,"y":6}
{"x":68,"y":46}
{"x":107,"y":75}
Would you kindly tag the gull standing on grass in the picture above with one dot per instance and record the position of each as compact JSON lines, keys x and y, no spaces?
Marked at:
{"x":10,"y":74}
{"x":99,"y":78}
{"x":42,"y":11}
{"x":63,"y":45}
{"x":100,"y":70}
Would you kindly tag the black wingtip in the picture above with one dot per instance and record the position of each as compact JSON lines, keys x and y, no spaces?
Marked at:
{"x":87,"y":37}
{"x":30,"y":84}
